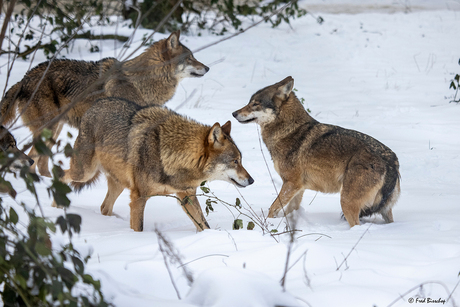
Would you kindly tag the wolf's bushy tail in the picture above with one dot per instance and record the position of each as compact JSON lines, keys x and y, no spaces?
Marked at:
{"x":78,"y":186}
{"x":9,"y":104}
{"x":389,"y":192}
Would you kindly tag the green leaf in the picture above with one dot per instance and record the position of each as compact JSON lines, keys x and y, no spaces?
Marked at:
{"x":238,"y":203}
{"x":88,"y":279}
{"x":51,"y":226}
{"x":41,"y":249}
{"x":13,"y":216}
{"x":62,"y":223}
{"x":41,"y":148}
{"x":47,"y":134}
{"x":78,"y":264}
{"x":205,"y":189}
{"x":250,"y":226}
{"x":274,"y":230}
{"x":74,"y":221}
{"x":68,"y":150}
{"x":452,"y":85}
{"x":237,"y":224}
{"x":209,"y":207}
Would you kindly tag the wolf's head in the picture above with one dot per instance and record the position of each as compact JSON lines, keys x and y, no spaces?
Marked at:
{"x":224,"y":158}
{"x":265,"y":104}
{"x":182,"y":59}
{"x":11,"y":152}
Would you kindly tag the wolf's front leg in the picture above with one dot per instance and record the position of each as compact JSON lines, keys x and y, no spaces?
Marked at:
{"x":137,"y":206}
{"x":114,"y":190}
{"x":288,"y":191}
{"x":191,"y":206}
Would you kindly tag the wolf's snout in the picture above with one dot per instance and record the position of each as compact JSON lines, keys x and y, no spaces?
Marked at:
{"x":206,"y":68}
{"x":235,"y":114}
{"x":251,"y":181}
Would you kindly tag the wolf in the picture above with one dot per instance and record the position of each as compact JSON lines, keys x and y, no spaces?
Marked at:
{"x":15,"y":157}
{"x":61,"y":91}
{"x":326,"y":158}
{"x":152,"y":151}
{"x":9,"y":148}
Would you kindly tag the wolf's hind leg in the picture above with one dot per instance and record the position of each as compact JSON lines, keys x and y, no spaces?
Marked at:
{"x":192,"y":207}
{"x":43,"y":161}
{"x":359,"y":190}
{"x":114,"y":190}
{"x":387,"y":216}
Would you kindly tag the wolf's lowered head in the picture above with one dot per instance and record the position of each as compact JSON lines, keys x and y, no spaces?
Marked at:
{"x":8,"y":147}
{"x":225,"y":158}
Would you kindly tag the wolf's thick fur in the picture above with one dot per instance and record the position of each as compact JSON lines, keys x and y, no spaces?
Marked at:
{"x":152,"y":151}
{"x":326,"y":158}
{"x":68,"y":88}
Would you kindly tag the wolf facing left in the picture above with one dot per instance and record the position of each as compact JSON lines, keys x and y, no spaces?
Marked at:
{"x":61,"y":91}
{"x":15,"y":157}
{"x":152,"y":151}
{"x":311,"y":155}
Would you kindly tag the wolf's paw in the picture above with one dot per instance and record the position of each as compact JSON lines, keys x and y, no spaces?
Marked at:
{"x":105,"y":210}
{"x":275,"y":213}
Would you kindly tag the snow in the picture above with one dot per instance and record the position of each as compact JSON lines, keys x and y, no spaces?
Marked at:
{"x":382,"y":73}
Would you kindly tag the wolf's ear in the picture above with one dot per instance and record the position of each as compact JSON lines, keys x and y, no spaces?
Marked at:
{"x":227,"y":127}
{"x":173,"y":40}
{"x":216,"y":136}
{"x":285,"y":88}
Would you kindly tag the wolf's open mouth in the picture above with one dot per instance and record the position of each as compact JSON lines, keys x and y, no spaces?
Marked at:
{"x":236,"y":183}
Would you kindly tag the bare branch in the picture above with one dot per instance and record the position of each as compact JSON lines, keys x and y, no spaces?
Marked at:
{"x":354,"y":246}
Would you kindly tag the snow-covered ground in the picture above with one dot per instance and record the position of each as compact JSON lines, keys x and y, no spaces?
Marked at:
{"x":386,"y":75}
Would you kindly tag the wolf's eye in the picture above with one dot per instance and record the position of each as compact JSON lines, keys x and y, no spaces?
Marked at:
{"x":235,"y":161}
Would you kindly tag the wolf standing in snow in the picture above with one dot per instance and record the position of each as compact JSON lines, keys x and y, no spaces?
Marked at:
{"x":320,"y":157}
{"x":152,"y":151}
{"x":61,"y":91}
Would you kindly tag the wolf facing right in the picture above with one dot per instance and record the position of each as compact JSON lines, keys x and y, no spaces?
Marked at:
{"x":152,"y":151}
{"x":61,"y":91}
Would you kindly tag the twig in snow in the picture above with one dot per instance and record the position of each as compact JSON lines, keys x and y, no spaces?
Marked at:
{"x":354,"y":246}
{"x":170,"y":254}
{"x":213,"y":255}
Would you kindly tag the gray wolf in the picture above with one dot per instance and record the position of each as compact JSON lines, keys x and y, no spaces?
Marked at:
{"x":310,"y":155}
{"x":152,"y":151}
{"x":61,"y":91}
{"x":13,"y":157}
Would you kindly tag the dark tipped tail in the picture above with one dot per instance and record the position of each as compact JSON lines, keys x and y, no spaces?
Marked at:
{"x":9,"y":104}
{"x":388,"y":194}
{"x":78,"y":186}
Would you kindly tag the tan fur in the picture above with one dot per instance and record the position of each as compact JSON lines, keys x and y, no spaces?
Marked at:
{"x":326,"y":158}
{"x":152,"y":151}
{"x":62,"y":91}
